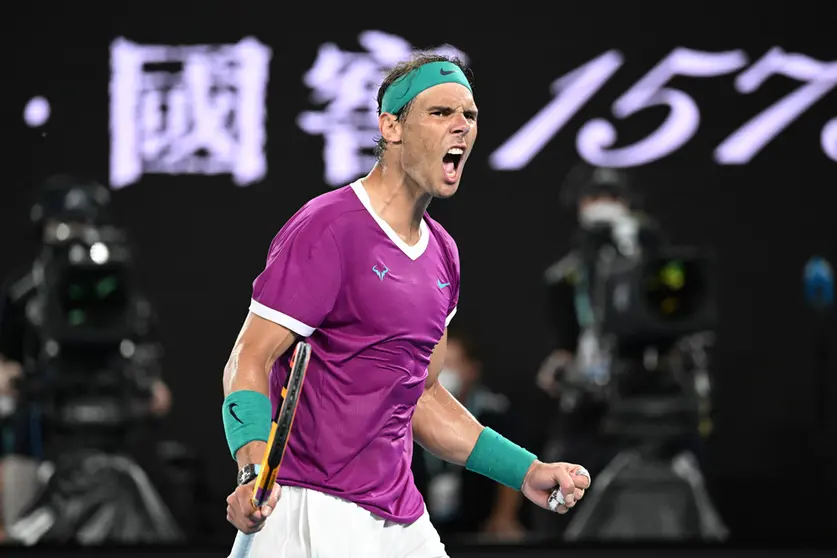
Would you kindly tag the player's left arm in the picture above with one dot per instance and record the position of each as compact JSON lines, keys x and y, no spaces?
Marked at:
{"x":441,"y":424}
{"x":445,"y":428}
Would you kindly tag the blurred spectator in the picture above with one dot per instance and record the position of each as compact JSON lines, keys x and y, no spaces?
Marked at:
{"x":584,"y":369}
{"x":599,"y":198}
{"x":461,"y":502}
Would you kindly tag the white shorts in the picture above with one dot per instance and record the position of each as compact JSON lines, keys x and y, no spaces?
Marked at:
{"x":307,"y":524}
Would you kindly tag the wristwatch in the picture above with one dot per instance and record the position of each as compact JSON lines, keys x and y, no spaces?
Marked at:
{"x":247,"y":473}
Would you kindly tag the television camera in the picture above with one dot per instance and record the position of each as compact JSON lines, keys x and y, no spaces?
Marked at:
{"x":653,"y":312}
{"x":89,"y":357}
{"x":89,"y":362}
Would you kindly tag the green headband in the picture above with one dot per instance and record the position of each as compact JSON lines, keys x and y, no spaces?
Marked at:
{"x":405,"y":88}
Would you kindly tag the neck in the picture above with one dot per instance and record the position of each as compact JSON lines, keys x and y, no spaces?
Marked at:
{"x":397,"y":200}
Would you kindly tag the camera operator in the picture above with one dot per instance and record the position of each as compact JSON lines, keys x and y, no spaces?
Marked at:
{"x":602,"y":200}
{"x":66,"y":208}
{"x":628,"y":365}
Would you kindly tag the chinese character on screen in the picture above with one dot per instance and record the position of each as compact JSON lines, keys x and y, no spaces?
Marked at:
{"x":196,"y":109}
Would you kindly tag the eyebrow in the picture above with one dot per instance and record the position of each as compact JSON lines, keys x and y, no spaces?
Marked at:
{"x":442,"y":108}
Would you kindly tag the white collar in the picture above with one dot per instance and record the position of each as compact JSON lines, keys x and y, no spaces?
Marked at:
{"x":413,"y":252}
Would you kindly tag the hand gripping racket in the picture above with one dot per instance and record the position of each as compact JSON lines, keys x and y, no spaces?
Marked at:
{"x":280,"y":431}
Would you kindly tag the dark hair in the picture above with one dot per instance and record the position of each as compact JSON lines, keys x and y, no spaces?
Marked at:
{"x":419,"y":58}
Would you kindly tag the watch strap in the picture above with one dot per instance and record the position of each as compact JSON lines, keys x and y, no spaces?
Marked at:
{"x":248,"y":473}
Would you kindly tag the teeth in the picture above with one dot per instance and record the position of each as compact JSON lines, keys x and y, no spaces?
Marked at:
{"x":455,"y":151}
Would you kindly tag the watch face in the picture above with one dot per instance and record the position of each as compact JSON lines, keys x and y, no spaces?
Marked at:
{"x":246,"y":474}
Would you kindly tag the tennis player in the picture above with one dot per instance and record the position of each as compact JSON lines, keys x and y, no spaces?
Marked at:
{"x":371,"y":282}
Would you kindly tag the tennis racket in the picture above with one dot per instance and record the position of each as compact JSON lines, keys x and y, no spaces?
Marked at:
{"x":280,"y":432}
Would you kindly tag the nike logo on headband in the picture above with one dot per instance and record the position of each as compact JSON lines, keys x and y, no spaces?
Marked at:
{"x":445,"y":72}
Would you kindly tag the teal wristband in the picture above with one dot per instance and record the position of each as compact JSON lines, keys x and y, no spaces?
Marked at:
{"x":499,"y":459}
{"x":247,"y":416}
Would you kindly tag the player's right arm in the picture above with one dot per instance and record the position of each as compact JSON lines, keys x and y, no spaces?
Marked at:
{"x":259,"y":343}
{"x":291,"y":298}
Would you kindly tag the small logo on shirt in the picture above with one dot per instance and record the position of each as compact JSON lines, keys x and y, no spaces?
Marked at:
{"x":380,"y":273}
{"x":230,"y":409}
{"x":441,"y":285}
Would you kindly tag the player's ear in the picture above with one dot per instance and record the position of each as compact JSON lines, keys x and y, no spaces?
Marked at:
{"x":390,"y":127}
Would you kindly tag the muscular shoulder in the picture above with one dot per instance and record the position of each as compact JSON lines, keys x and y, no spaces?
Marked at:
{"x":319,"y":215}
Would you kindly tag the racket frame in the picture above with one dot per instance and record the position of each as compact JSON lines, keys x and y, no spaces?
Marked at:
{"x":280,"y":429}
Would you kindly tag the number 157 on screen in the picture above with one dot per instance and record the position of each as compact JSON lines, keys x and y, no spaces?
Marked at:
{"x":597,"y":136}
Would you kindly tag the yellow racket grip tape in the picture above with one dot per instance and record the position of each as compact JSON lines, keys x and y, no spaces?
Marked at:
{"x":262,"y":481}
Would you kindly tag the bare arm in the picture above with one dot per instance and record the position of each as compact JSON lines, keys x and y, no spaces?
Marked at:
{"x":257,"y":347}
{"x":445,"y":428}
{"x":441,"y":424}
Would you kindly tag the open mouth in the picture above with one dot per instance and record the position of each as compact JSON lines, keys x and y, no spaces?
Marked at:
{"x":451,"y":161}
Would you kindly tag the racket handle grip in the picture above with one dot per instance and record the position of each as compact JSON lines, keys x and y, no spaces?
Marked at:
{"x":241,"y":546}
{"x":243,"y":542}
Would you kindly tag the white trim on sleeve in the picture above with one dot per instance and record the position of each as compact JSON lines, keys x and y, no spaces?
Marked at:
{"x":278,"y":317}
{"x":450,"y":316}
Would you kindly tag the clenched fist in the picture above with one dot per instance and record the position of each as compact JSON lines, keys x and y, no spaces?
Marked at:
{"x":240,"y":510}
{"x":572,"y":480}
